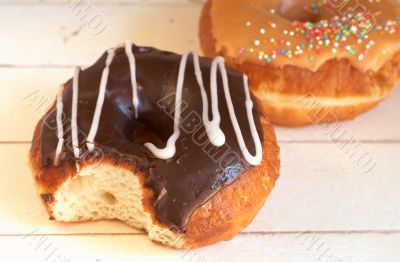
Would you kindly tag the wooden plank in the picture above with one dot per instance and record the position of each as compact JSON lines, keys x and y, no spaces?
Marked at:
{"x":78,"y":37}
{"x":26,"y":96}
{"x":320,"y":189}
{"x":290,"y":247}
{"x":34,"y":90}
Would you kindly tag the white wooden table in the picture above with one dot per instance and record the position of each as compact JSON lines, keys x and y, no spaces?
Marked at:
{"x":325,"y":206}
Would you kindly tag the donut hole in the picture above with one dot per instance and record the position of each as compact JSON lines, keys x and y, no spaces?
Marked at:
{"x":142,"y":134}
{"x":295,"y":11}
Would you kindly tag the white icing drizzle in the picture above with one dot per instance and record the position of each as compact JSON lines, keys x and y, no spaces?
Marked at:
{"x":100,"y":101}
{"x":219,"y":62}
{"x":214,"y":132}
{"x":132,"y":66}
{"x":252,"y":160}
{"x":74,"y":113}
{"x":60,"y":128}
{"x":170,"y":149}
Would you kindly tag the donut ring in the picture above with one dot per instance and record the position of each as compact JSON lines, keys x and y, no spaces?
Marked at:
{"x":189,"y":194}
{"x":306,"y":65}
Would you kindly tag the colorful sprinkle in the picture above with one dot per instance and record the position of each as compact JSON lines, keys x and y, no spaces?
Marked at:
{"x":337,"y":35}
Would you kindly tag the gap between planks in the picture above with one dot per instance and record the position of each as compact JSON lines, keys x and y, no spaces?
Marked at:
{"x":272,"y":233}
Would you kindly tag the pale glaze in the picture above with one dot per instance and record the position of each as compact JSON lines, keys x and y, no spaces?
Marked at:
{"x":251,"y":24}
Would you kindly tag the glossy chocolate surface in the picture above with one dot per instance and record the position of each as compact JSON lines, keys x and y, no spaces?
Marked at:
{"x":198,"y":169}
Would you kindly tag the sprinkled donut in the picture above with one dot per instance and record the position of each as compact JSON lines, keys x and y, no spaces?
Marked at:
{"x":309,"y":61}
{"x":171,"y":144}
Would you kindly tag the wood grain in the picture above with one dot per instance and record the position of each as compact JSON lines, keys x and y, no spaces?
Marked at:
{"x":69,"y":40}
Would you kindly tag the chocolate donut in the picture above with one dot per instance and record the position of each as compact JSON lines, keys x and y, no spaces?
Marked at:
{"x":130,"y":138}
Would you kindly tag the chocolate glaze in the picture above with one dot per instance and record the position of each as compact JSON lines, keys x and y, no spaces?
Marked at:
{"x":198,"y":170}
